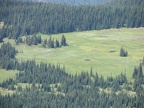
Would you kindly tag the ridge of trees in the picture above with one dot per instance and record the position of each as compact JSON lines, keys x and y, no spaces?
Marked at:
{"x":52,"y":43}
{"x":26,"y":18}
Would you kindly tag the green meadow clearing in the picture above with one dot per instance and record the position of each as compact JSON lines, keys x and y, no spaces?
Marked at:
{"x":5,"y":74}
{"x":96,"y":49}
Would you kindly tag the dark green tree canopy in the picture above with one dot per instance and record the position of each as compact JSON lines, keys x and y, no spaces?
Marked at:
{"x":123,"y":52}
{"x":25,"y":18}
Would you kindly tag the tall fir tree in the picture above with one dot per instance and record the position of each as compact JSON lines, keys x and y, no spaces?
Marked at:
{"x":57,"y":44}
{"x":63,"y":41}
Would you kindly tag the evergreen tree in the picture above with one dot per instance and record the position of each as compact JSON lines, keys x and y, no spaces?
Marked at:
{"x":135,"y":73}
{"x":1,"y":38}
{"x":39,"y":40}
{"x":123,"y":53}
{"x":138,"y":72}
{"x":140,"y":75}
{"x":63,"y":41}
{"x":57,"y":44}
{"x":143,"y":61}
{"x":19,"y":40}
{"x":49,"y":44}
{"x":44,"y":44}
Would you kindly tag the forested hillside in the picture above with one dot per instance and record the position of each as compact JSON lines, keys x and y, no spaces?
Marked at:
{"x":25,"y":18}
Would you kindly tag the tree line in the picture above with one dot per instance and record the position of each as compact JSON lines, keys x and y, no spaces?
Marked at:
{"x":26,"y":18}
{"x":51,"y":86}
{"x":46,"y":43}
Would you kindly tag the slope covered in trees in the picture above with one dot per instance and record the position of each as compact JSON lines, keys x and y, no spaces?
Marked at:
{"x":24,"y":18}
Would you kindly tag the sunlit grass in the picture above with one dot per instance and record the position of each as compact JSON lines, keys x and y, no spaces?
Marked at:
{"x":5,"y":74}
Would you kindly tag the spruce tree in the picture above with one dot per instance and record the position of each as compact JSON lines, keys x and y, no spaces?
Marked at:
{"x":39,"y":39}
{"x":57,"y":44}
{"x":44,"y":44}
{"x":52,"y":44}
{"x":123,"y":53}
{"x":63,"y":41}
{"x":143,"y":61}
{"x":49,"y":42}
{"x":140,"y":71}
{"x":135,"y":73}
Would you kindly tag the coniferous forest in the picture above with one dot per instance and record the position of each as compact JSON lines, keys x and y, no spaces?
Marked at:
{"x":43,"y":85}
{"x":25,"y":18}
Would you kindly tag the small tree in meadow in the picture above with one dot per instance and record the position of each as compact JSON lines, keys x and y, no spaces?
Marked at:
{"x":123,"y":52}
{"x":63,"y":41}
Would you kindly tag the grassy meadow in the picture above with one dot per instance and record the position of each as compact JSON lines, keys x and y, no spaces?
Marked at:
{"x":5,"y":74}
{"x":86,"y":49}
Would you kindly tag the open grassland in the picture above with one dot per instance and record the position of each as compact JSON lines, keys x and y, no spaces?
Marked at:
{"x":6,"y":91}
{"x":5,"y":74}
{"x":96,"y":49}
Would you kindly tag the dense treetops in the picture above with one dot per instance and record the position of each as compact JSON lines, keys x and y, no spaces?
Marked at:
{"x":123,"y":52}
{"x":25,"y":18}
{"x":7,"y":50}
{"x":7,"y":56}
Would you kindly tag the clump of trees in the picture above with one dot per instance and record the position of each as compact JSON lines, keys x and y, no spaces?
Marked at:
{"x":123,"y":52}
{"x":7,"y":56}
{"x":52,"y":43}
{"x":139,"y":79}
{"x":33,"y":40}
{"x":138,"y":72}
{"x":19,"y":40}
{"x":46,"y":43}
{"x":7,"y":50}
{"x":30,"y":40}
